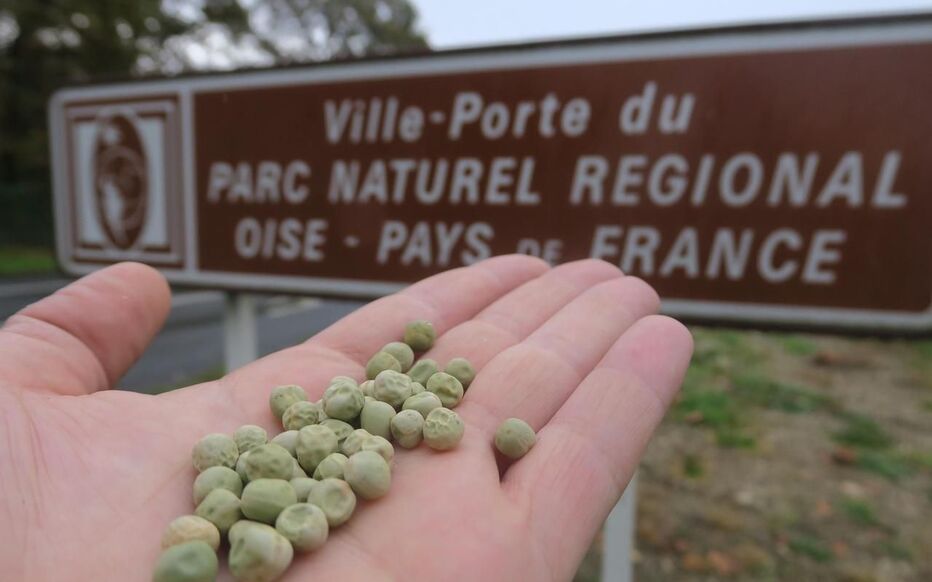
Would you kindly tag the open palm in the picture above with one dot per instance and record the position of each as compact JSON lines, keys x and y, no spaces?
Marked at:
{"x":89,"y":477}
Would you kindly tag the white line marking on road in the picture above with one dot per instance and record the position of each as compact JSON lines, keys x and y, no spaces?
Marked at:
{"x":195,"y":298}
{"x":292,"y":307}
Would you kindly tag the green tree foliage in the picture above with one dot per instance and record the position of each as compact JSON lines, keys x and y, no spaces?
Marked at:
{"x":45,"y":44}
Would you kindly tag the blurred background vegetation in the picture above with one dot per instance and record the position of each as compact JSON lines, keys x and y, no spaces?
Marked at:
{"x":45,"y":44}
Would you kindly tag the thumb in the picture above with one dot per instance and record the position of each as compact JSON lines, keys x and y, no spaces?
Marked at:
{"x":84,"y":337}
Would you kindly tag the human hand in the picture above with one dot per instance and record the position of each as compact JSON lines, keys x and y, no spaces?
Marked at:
{"x":90,"y":477}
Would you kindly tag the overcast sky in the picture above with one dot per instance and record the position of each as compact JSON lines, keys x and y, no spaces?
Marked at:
{"x":449,"y":23}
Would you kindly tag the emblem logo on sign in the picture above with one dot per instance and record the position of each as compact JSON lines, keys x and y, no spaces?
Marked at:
{"x":120,"y":180}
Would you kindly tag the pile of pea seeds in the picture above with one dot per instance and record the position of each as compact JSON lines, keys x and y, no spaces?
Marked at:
{"x":272,"y":498}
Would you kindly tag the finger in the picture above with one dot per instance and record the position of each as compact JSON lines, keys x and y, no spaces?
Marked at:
{"x":587,"y":453}
{"x":513,"y":317}
{"x":532,"y":379}
{"x":85,"y":336}
{"x":445,"y":299}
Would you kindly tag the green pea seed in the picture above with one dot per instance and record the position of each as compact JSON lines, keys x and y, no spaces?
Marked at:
{"x":259,"y":554}
{"x":407,"y":427}
{"x":264,"y":499}
{"x":447,"y":388}
{"x":343,"y":401}
{"x":443,"y":429}
{"x":216,"y":478}
{"x":379,"y":445}
{"x":249,"y":436}
{"x":296,"y":470}
{"x":420,"y":335}
{"x":301,"y":414}
{"x":189,"y":528}
{"x":214,"y":450}
{"x":322,"y":415}
{"x":423,"y":370}
{"x":366,"y":388}
{"x":339,"y":428}
{"x":514,"y":438}
{"x":269,"y":462}
{"x":301,"y":487}
{"x":304,"y":525}
{"x":368,"y":474}
{"x":331,"y":467}
{"x":288,"y":440}
{"x":462,"y":370}
{"x":315,"y":442}
{"x":221,"y":508}
{"x":344,"y":380}
{"x":401,"y":352}
{"x":422,"y":403}
{"x":392,"y":387}
{"x":354,"y":441}
{"x":417,"y":388}
{"x":241,"y":467}
{"x":193,"y":561}
{"x":237,"y":529}
{"x":380,"y":362}
{"x":376,"y":417}
{"x":284,"y":396}
{"x":335,"y":498}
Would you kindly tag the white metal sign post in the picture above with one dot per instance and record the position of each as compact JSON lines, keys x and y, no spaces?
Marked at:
{"x":240,"y":333}
{"x":618,"y":537}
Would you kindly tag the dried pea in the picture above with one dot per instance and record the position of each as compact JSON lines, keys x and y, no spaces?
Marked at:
{"x":421,"y":371}
{"x":259,"y":554}
{"x":407,"y":427}
{"x":284,"y":396}
{"x":301,"y":414}
{"x":315,"y":442}
{"x":216,"y":478}
{"x":379,"y":445}
{"x":335,"y":498}
{"x":401,"y":352}
{"x":264,"y":499}
{"x":447,"y":387}
{"x":376,"y":417}
{"x":189,"y":528}
{"x":288,"y":440}
{"x":392,"y":387}
{"x":221,"y":508}
{"x":422,"y":403}
{"x":331,"y":467}
{"x":214,"y":450}
{"x":193,"y":561}
{"x":514,"y":438}
{"x":354,"y":441}
{"x":249,"y":436}
{"x":420,"y":335}
{"x":380,"y":362}
{"x":368,"y":474}
{"x":340,"y":428}
{"x":343,"y":401}
{"x":462,"y":370}
{"x":304,"y":525}
{"x":443,"y":429}
{"x":269,"y":462}
{"x":296,"y":471}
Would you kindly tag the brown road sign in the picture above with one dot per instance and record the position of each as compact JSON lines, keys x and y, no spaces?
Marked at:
{"x":778,"y":174}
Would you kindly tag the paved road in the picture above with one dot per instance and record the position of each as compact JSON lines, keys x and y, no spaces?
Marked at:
{"x":190,"y":345}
